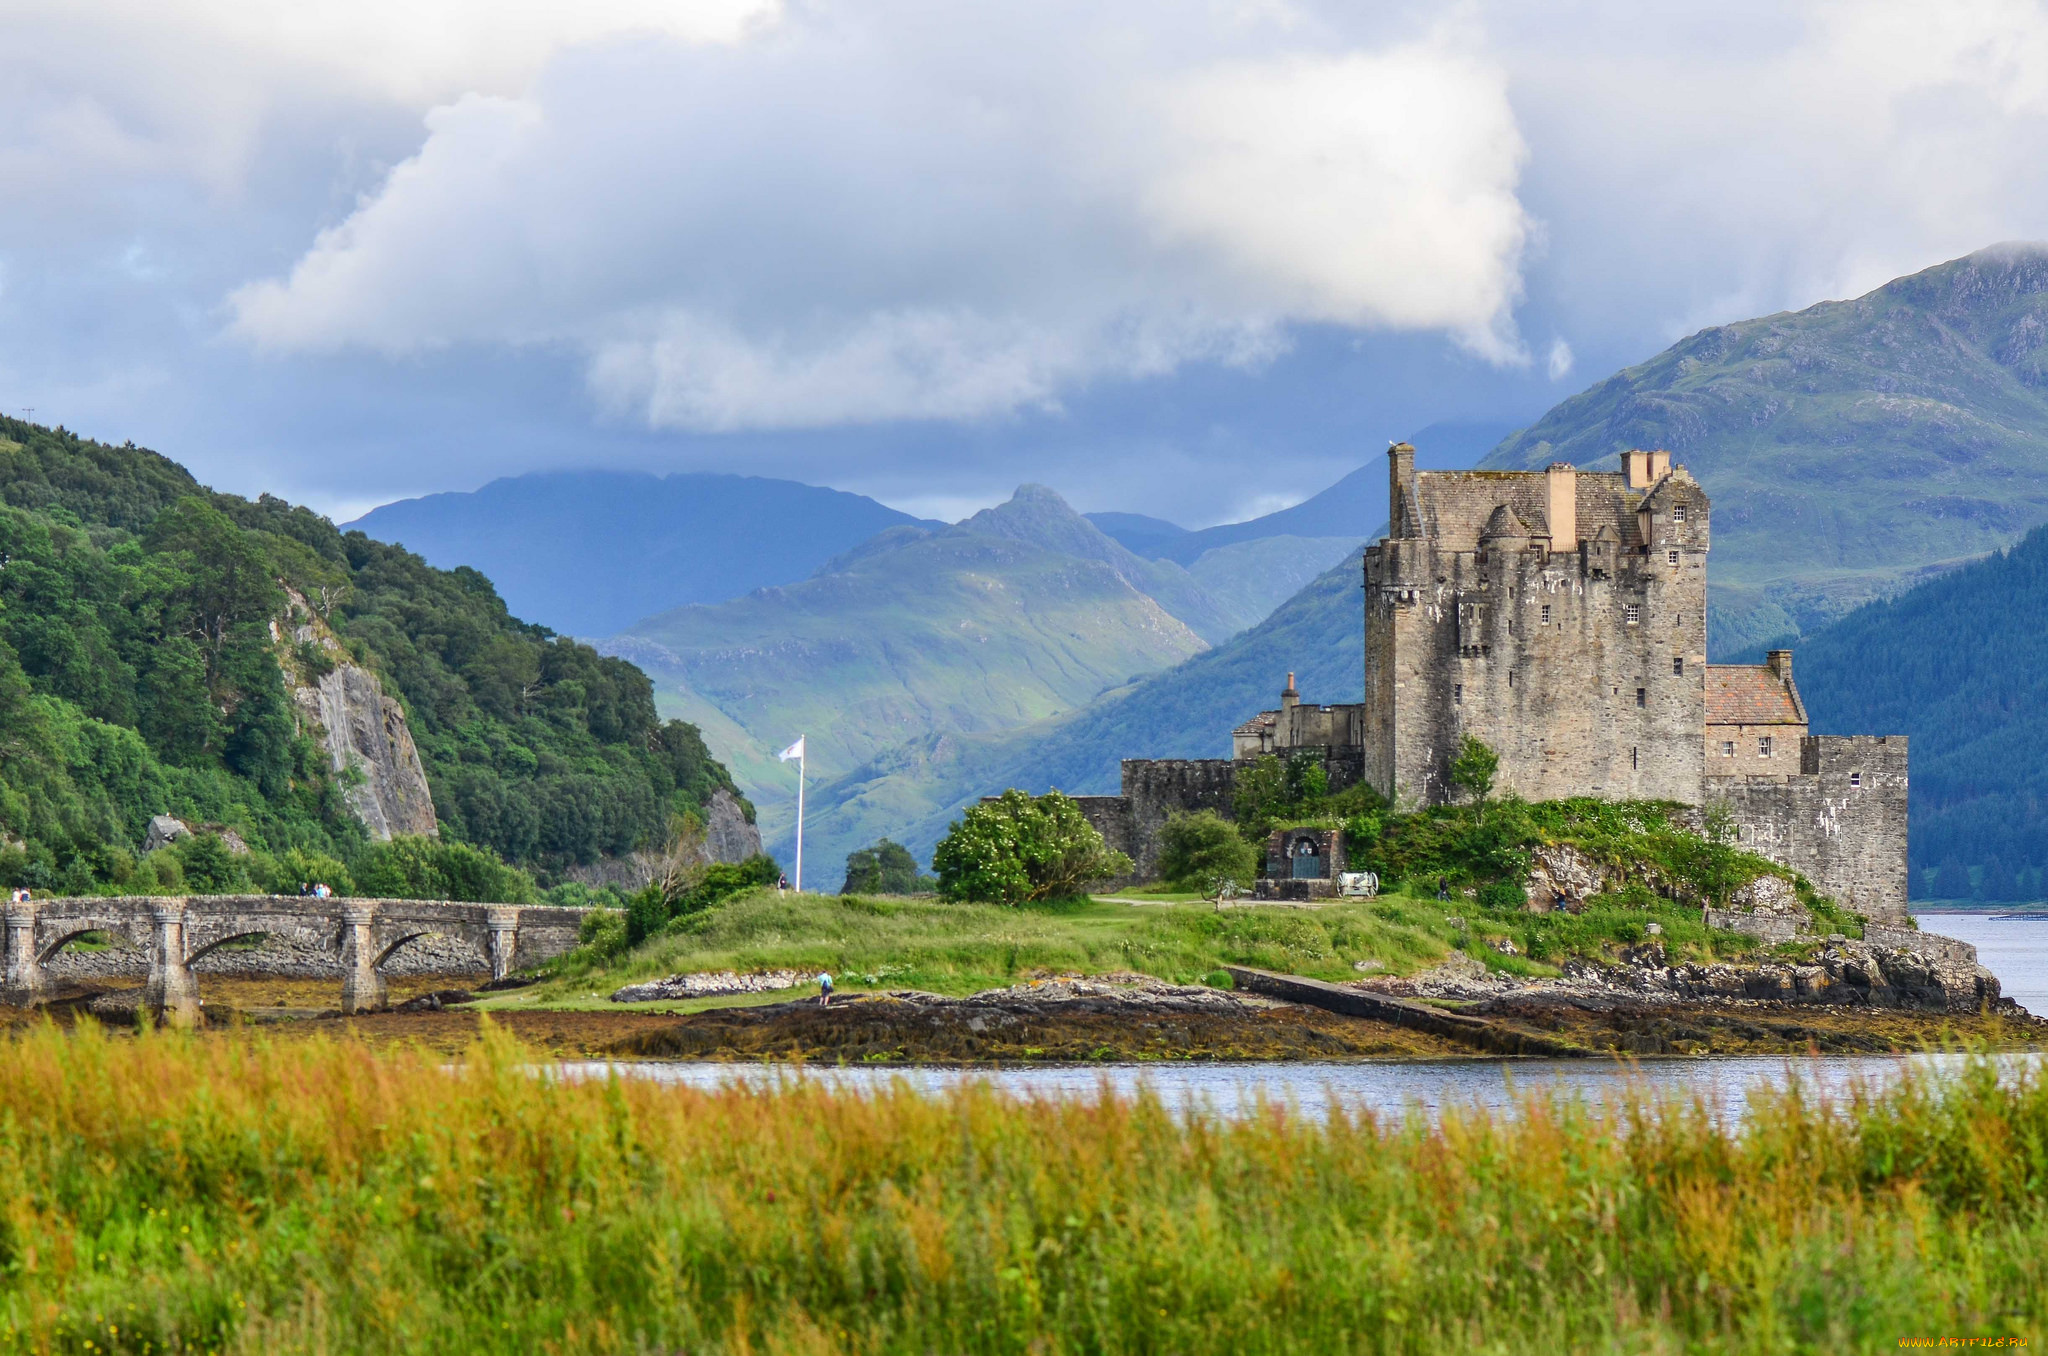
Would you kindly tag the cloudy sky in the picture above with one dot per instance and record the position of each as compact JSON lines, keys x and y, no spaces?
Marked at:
{"x":1196,"y":259}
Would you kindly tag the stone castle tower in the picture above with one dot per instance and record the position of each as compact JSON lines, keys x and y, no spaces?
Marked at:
{"x":1560,"y":617}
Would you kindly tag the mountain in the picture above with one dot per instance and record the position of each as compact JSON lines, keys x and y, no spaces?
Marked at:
{"x":1351,"y":510}
{"x":165,"y":649}
{"x":1021,"y":612}
{"x":911,"y":791}
{"x":1852,"y":448}
{"x":589,"y":553}
{"x":1959,"y":664}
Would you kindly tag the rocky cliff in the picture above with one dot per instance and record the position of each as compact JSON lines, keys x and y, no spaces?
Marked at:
{"x":365,"y":730}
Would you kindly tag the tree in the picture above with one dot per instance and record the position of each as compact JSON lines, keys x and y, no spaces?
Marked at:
{"x":1020,"y":848}
{"x":1473,"y":769}
{"x":887,"y":868}
{"x":1202,"y":851}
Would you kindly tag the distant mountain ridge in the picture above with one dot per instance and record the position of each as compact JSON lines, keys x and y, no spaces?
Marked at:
{"x":589,"y":553}
{"x":1851,"y":448}
{"x":912,"y":791}
{"x":1351,"y":509}
{"x":1022,"y":612}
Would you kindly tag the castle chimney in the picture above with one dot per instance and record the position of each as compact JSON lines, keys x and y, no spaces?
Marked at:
{"x":1289,"y":698}
{"x":1780,"y":663}
{"x":1400,"y":469}
{"x":1645,"y":468}
{"x":1564,"y":506}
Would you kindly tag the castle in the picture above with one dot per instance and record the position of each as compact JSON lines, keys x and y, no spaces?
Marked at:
{"x":1561,"y":617}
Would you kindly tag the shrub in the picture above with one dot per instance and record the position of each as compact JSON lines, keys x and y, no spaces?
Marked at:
{"x":1502,"y":894}
{"x":1472,"y":771}
{"x":413,"y":867}
{"x":210,"y":867}
{"x":651,"y":911}
{"x":887,"y":868}
{"x":1022,"y":847}
{"x":722,"y":880}
{"x":296,"y":868}
{"x":1198,"y":850}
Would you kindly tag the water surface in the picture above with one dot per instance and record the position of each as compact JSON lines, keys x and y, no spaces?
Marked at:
{"x":1387,"y":1088}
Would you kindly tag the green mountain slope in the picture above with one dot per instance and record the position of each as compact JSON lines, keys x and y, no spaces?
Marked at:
{"x":1254,"y":577}
{"x":910,"y":792}
{"x":1961,"y":665}
{"x":146,"y":632}
{"x":1850,"y":447}
{"x":976,"y":627}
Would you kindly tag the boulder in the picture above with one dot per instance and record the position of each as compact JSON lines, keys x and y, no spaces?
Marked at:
{"x":1562,"y":877}
{"x":164,"y":831}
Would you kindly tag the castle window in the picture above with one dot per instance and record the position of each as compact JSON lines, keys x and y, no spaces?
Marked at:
{"x":1727,"y":748}
{"x":1632,"y":613}
{"x":1673,"y":555}
{"x":1458,"y":693}
{"x":1678,"y":513}
{"x":1855,"y":779}
{"x":1763,"y":746}
{"x":1642,"y":696}
{"x":1511,"y":677}
{"x":1546,"y":614}
{"x":1631,"y":755}
{"x":1678,"y":665}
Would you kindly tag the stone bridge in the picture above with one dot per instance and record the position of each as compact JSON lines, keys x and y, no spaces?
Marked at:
{"x":350,"y":937}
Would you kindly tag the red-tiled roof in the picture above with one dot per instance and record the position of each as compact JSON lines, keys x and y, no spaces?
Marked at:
{"x":1749,"y":694}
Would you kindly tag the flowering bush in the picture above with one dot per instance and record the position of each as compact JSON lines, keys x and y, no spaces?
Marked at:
{"x":1021,"y":847}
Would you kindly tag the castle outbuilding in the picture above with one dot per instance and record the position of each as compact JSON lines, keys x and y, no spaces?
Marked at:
{"x":1561,"y":617}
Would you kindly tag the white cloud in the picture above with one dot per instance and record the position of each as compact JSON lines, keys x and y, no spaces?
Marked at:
{"x":1558,"y":365}
{"x":922,"y":210}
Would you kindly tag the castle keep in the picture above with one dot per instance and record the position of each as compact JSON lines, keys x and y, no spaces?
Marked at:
{"x":1561,"y":617}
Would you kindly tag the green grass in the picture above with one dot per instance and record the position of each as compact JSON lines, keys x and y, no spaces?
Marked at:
{"x":172,"y":1193}
{"x":925,"y":943}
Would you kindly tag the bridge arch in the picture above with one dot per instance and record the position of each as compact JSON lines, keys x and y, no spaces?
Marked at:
{"x":217,"y":943}
{"x":49,"y":952}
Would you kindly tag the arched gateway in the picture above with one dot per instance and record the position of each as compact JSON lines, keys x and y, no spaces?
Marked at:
{"x":359,"y":935}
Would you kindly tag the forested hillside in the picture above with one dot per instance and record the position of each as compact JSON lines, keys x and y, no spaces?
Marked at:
{"x":145,"y":644}
{"x":1960,"y":664}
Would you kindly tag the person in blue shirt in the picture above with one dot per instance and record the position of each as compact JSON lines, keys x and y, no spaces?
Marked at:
{"x":824,"y":990}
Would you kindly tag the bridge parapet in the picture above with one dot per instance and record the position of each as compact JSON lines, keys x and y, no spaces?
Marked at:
{"x":359,"y":935}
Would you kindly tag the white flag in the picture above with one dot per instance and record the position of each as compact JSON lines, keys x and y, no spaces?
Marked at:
{"x":795,"y":750}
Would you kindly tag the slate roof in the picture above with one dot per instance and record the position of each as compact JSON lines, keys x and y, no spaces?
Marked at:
{"x":1265,"y":720}
{"x":1750,"y":694}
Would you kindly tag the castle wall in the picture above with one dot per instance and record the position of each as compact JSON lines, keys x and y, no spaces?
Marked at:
{"x":1747,"y":759}
{"x":1587,"y":702}
{"x":1840,"y":821}
{"x":1156,"y":787}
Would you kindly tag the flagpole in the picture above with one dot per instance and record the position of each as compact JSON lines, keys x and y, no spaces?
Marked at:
{"x":800,"y":820}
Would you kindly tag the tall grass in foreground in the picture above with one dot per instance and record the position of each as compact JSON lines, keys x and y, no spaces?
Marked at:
{"x":166,"y":1193}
